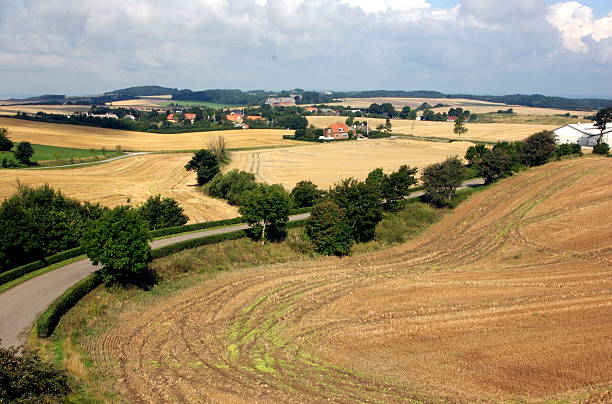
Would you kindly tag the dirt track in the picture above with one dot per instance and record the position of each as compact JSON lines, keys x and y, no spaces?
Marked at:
{"x":508,"y":298}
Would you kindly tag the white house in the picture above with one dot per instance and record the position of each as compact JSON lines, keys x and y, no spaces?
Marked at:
{"x":584,"y":134}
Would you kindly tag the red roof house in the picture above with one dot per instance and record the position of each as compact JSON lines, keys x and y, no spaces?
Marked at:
{"x":337,"y":131}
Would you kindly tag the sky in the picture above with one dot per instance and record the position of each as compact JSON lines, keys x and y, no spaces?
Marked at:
{"x":84,"y":47}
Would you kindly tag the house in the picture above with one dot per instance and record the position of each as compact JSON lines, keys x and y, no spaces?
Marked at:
{"x":337,"y":131}
{"x":280,"y":101}
{"x":584,"y":134}
{"x":234,"y":117}
{"x":254,"y":118}
{"x":130,"y":117}
{"x":452,"y":118}
{"x":109,"y":116}
{"x":171,"y":118}
{"x":312,"y":110}
{"x":190,"y":117}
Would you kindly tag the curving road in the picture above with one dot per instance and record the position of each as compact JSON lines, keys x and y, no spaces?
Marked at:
{"x":21,"y":305}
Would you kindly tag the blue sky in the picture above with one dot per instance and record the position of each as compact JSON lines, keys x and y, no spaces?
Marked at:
{"x":455,"y":46}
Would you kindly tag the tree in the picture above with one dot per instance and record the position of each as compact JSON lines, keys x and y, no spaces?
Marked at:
{"x":266,"y":208}
{"x":362,"y":206}
{"x":218,"y":147}
{"x":305,"y":194}
{"x":119,"y":241}
{"x":460,"y":128}
{"x":441,"y":180}
{"x":602,"y":118}
{"x":161,"y":213}
{"x":392,"y":187}
{"x":388,"y":125}
{"x":538,"y":148}
{"x":24,"y":152}
{"x":350,"y":120}
{"x":601,"y":148}
{"x":205,"y":164}
{"x":474,"y":154}
{"x":328,"y":230}
{"x":5,"y":142}
{"x":26,"y":378}
{"x":231,"y":186}
{"x":495,"y":165}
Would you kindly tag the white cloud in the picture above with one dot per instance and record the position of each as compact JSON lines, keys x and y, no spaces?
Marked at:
{"x":577,"y":25}
{"x":374,"y":6}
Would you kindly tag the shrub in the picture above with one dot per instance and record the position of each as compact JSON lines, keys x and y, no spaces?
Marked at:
{"x":197,"y":242}
{"x":305,"y":194}
{"x":406,"y":223}
{"x":119,"y":240}
{"x":328,"y":229}
{"x":441,"y":180}
{"x":35,"y":266}
{"x":538,"y":148}
{"x":231,"y":186}
{"x":161,"y":213}
{"x":601,"y":148}
{"x":26,"y":378}
{"x":567,"y":149}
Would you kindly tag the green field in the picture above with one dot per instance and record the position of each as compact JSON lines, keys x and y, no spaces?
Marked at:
{"x":63,"y":155}
{"x":197,"y":104}
{"x":527,"y":119}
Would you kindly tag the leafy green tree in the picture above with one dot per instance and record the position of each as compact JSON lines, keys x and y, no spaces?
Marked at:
{"x":26,"y":378}
{"x":350,"y":120}
{"x":161,"y":213}
{"x":459,"y":128}
{"x":538,"y":148}
{"x":310,"y":133}
{"x":293,"y":121}
{"x":231,"y":186}
{"x":495,"y":165}
{"x":388,"y":127}
{"x":5,"y":142}
{"x":119,"y":241}
{"x":515,"y":150}
{"x":602,"y":118}
{"x":305,"y":194}
{"x":266,"y":208}
{"x":441,"y":180}
{"x":328,"y":229}
{"x":362,"y":206}
{"x":474,"y":154}
{"x":205,"y":164}
{"x":392,"y":187}
{"x":24,"y":152}
{"x":601,"y":148}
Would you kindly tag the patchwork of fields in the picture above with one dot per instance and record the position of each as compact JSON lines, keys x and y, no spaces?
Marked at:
{"x":326,"y":164}
{"x":506,"y":299}
{"x":134,"y":178}
{"x":490,"y":132}
{"x":87,"y":137}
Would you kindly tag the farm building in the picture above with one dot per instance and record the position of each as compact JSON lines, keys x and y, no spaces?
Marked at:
{"x":337,"y":131}
{"x":280,"y":101}
{"x":584,"y":134}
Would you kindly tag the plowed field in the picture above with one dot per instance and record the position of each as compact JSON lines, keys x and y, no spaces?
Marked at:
{"x":509,"y":297}
{"x":84,"y":137}
{"x":136,"y":178}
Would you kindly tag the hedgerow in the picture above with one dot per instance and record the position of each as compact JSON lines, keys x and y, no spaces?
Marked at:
{"x":35,"y":266}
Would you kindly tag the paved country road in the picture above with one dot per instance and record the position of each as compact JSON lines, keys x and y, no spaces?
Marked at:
{"x":21,"y":305}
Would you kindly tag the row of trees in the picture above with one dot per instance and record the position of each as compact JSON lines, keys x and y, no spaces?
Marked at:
{"x":23,"y":152}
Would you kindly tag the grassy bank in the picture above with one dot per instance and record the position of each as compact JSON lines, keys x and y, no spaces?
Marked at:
{"x":51,"y":155}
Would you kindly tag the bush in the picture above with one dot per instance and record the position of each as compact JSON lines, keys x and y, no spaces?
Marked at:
{"x":406,"y":223}
{"x":328,"y":229}
{"x":305,"y":194}
{"x":601,"y":148}
{"x":26,"y":378}
{"x":194,"y":227}
{"x":538,"y":148}
{"x":441,"y":180}
{"x":231,"y":186}
{"x":119,"y":240}
{"x":48,"y":320}
{"x":162,"y":213}
{"x":197,"y":242}
{"x":568,"y":149}
{"x":35,"y":266}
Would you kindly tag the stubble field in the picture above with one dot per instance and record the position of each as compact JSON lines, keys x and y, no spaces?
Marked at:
{"x":136,"y":178}
{"x":326,"y":164}
{"x":508,"y":298}
{"x":489,"y":132}
{"x":86,"y":137}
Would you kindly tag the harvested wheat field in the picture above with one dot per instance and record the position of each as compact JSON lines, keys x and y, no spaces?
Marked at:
{"x":326,"y":164}
{"x":488,"y":132}
{"x":48,"y":109}
{"x":87,"y":137}
{"x":136,"y":178}
{"x":508,"y":298}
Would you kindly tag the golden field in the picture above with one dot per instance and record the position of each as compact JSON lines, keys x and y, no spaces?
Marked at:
{"x":48,"y":109}
{"x":489,"y":132}
{"x":135,"y":178}
{"x":327,"y":163}
{"x":87,"y":137}
{"x":472,"y":105}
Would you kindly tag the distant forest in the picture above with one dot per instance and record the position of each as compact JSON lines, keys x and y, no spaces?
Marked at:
{"x":258,"y":97}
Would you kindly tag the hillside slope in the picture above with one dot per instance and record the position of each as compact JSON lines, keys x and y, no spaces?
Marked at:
{"x":507,"y":298}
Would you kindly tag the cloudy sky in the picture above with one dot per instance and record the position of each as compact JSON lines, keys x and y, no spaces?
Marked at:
{"x":81,"y":47}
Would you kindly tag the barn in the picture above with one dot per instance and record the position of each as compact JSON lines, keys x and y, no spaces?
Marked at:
{"x":584,"y":134}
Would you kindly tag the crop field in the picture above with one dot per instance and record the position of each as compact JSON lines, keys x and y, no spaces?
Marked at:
{"x":472,"y":105}
{"x":134,"y":178}
{"x":508,"y":298}
{"x":326,"y":164}
{"x":490,"y":132}
{"x":48,"y":109}
{"x":87,"y":137}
